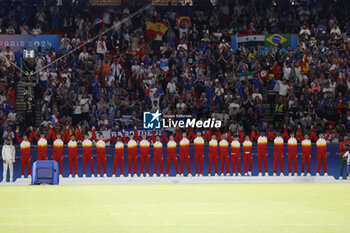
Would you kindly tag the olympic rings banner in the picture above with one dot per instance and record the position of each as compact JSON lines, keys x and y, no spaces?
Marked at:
{"x":19,"y":42}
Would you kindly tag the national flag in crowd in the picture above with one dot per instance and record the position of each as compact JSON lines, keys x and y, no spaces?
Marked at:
{"x":98,"y":21}
{"x":164,"y":65}
{"x":158,"y":28}
{"x":277,"y":39}
{"x":250,"y":40}
{"x":183,"y":19}
{"x":333,"y":68}
{"x":243,"y":76}
{"x":54,"y":119}
{"x":305,"y":66}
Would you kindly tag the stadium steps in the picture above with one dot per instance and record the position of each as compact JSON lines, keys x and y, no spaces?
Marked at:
{"x":38,"y":116}
{"x":268,"y":115}
{"x":20,"y":101}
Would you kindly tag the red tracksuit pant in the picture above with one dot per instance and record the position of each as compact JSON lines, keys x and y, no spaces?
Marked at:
{"x":118,"y":159}
{"x":248,"y":159}
{"x":158,"y":159}
{"x":144,"y":159}
{"x":292,"y":158}
{"x":278,"y":157}
{"x":304,"y":158}
{"x":25,"y":160}
{"x":58,"y":158}
{"x":42,"y":155}
{"x":236,"y":159}
{"x":132,"y":160}
{"x":183,"y":158}
{"x":199,"y":159}
{"x":262,"y":156}
{"x":322,"y":159}
{"x":101,"y":159}
{"x":73,"y":161}
{"x":171,"y":158}
{"x":224,"y":161}
{"x":215,"y":158}
{"x":87,"y":158}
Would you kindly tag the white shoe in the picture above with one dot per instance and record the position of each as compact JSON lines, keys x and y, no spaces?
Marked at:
{"x":281,"y":174}
{"x":289,"y":174}
{"x":266,"y":174}
{"x":29,"y":176}
{"x":233,"y":174}
{"x":98,"y":175}
{"x":209,"y":174}
{"x":249,"y":173}
{"x":222,"y":174}
{"x":216,"y":174}
{"x":200,"y":175}
{"x":167,"y":175}
{"x":274,"y":174}
{"x":177,"y":175}
{"x":295,"y":174}
{"x":162,"y":175}
{"x":308,"y":174}
{"x":11,"y":180}
{"x":326,"y":174}
{"x":246,"y":174}
{"x":317,"y":174}
{"x":70,"y":176}
{"x":113,"y":175}
{"x":147,"y":175}
{"x":22,"y":176}
{"x":239,"y":174}
{"x":84,"y":175}
{"x":260,"y":174}
{"x":340,"y":178}
{"x":121,"y":175}
{"x":228,"y":174}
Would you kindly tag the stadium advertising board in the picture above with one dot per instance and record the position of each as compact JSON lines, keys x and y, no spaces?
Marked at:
{"x":19,"y":42}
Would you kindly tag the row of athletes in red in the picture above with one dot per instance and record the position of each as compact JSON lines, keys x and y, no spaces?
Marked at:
{"x":218,"y":144}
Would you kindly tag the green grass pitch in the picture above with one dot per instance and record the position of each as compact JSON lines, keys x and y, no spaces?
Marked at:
{"x":176,"y":208}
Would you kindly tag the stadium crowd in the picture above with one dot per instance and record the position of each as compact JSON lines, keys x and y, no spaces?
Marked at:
{"x":190,"y":69}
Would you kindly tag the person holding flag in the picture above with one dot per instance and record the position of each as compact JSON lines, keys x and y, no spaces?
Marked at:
{"x":144,"y":150}
{"x":184,"y":151}
{"x":25,"y":152}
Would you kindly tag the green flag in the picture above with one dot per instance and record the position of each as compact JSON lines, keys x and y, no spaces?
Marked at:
{"x":276,"y":39}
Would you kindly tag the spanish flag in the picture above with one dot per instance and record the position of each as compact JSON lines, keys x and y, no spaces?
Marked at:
{"x":305,"y":66}
{"x":158,"y":28}
{"x":183,"y":19}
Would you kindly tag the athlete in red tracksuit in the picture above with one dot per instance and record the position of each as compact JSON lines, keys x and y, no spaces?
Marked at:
{"x":306,"y":151}
{"x":25,"y":152}
{"x":213,"y":154}
{"x":278,"y":142}
{"x":184,"y":151}
{"x":42,"y":144}
{"x":58,"y":150}
{"x":144,"y":150}
{"x":292,"y":151}
{"x":132,"y":152}
{"x":158,"y":155}
{"x":321,"y":145}
{"x":73,"y":156}
{"x":235,"y":152}
{"x":101,"y":152}
{"x":262,"y":152}
{"x":171,"y":156}
{"x":118,"y":156}
{"x":247,"y":155}
{"x":198,"y":142}
{"x":87,"y":154}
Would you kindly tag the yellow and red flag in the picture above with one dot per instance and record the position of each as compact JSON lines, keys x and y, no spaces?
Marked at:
{"x":304,"y":65}
{"x":183,"y":19}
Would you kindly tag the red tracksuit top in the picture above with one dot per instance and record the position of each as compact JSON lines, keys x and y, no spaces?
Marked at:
{"x":292,"y":143}
{"x":199,"y":142}
{"x":321,"y":144}
{"x":262,"y":144}
{"x":100,"y":144}
{"x":58,"y":143}
{"x":72,"y":148}
{"x":132,"y":146}
{"x":235,"y":144}
{"x":305,"y":143}
{"x":119,"y":148}
{"x":278,"y":142}
{"x":144,"y":144}
{"x":157,"y":148}
{"x":171,"y":146}
{"x":24,"y":145}
{"x":42,"y":142}
{"x":184,"y":142}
